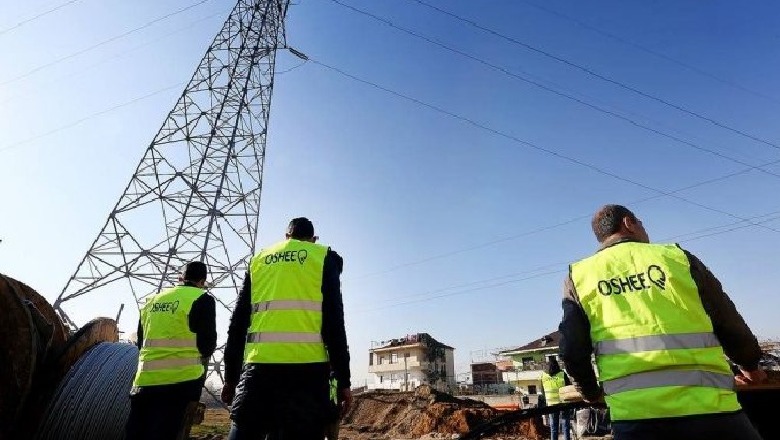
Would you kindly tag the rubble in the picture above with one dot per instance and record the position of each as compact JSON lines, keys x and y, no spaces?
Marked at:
{"x":426,"y":412}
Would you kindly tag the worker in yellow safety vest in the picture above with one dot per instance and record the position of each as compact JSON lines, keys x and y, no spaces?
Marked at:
{"x":287,"y":332}
{"x":660,"y":326}
{"x":176,"y":336}
{"x":553,"y":379}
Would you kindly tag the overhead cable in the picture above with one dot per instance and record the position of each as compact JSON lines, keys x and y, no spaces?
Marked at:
{"x":546,"y":150}
{"x":37,"y":16}
{"x":102,"y":43}
{"x":552,"y":90}
{"x":88,"y":117}
{"x":120,"y":54}
{"x":530,"y":274}
{"x":653,"y":52}
{"x":552,"y":226}
{"x":595,"y":74}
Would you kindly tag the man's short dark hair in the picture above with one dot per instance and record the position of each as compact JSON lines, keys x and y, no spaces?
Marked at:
{"x":608,"y":219}
{"x":195,"y":271}
{"x":300,"y":228}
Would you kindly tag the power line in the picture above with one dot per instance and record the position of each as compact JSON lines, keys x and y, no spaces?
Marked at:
{"x":550,"y":227}
{"x":102,"y":43}
{"x":88,"y":117}
{"x":594,"y":74}
{"x":37,"y":16}
{"x":122,"y":53}
{"x":557,"y":92}
{"x":703,"y":233}
{"x":529,"y":144}
{"x":512,"y":275}
{"x":645,"y":49}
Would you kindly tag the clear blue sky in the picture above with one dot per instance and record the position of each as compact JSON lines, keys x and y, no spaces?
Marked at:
{"x":391,"y":184}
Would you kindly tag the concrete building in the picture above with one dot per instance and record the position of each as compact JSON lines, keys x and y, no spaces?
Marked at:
{"x":529,"y":361}
{"x":408,"y":362}
{"x":485,"y":373}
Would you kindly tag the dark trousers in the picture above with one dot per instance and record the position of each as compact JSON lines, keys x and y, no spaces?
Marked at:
{"x":732,"y":426}
{"x":332,"y":430}
{"x":251,"y":431}
{"x":281,"y":402}
{"x":156,"y":416}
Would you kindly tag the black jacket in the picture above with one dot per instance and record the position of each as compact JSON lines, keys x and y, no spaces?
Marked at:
{"x":576,"y":347}
{"x":333,"y":333}
{"x":202,"y":322}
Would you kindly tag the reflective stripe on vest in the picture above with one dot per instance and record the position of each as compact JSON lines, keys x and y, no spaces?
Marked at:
{"x":669,"y":378}
{"x":166,"y":364}
{"x":656,"y":352}
{"x":656,"y":342}
{"x":286,"y":322}
{"x":284,"y":337}
{"x":288,"y":304}
{"x":169,"y":352}
{"x":172,"y":343}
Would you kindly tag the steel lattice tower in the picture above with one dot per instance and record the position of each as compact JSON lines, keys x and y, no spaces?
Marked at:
{"x":195,"y":195}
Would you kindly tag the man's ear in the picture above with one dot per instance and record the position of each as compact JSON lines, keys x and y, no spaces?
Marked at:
{"x":629,"y":224}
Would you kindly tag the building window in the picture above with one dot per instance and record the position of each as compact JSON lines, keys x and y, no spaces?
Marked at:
{"x":381,"y":378}
{"x":394,"y":358}
{"x":531,"y":389}
{"x":392,"y":377}
{"x":378,"y":360}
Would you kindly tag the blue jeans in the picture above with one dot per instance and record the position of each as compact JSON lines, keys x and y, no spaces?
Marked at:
{"x":555,"y":419}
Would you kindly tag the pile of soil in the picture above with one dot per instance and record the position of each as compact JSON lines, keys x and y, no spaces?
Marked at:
{"x":426,"y":411}
{"x":773,"y":377}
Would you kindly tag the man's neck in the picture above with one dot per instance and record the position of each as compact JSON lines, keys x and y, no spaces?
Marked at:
{"x":616,"y":239}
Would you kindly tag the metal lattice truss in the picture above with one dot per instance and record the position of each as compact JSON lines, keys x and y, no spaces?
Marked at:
{"x":196,"y":193}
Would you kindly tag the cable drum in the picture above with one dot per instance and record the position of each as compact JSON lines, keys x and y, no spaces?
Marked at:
{"x":92,"y":401}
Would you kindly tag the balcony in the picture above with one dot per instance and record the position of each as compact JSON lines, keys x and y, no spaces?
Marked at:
{"x":398,"y":366}
{"x":531,"y":366}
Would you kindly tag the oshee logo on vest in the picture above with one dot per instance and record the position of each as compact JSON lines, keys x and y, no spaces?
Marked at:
{"x":287,"y":256}
{"x":165,"y":307}
{"x":636,"y":282}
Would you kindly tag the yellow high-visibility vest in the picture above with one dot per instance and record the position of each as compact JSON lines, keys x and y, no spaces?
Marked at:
{"x":551,"y":385}
{"x":286,"y":322}
{"x":169,"y":353}
{"x":656,"y":353}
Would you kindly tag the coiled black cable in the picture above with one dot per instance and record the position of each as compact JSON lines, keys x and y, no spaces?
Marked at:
{"x":92,"y":402}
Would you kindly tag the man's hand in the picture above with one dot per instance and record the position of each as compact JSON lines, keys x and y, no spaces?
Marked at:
{"x":596,"y":397}
{"x":599,"y":399}
{"x":752,"y":377}
{"x":228,"y":393}
{"x":345,"y":400}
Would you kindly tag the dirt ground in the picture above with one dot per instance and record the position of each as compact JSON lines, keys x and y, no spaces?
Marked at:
{"x":422,"y":414}
{"x":216,"y":425}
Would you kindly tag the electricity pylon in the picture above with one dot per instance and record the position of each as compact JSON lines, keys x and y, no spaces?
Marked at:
{"x":195,"y":195}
